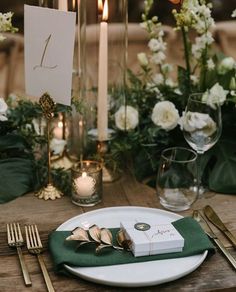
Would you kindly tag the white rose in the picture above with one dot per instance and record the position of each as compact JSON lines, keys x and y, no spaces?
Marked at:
{"x":194,"y":121}
{"x":3,"y":110}
{"x":165,"y":115}
{"x":126,"y":118}
{"x":216,"y":95}
{"x":57,"y":146}
{"x":226,"y":65}
{"x":143,"y":60}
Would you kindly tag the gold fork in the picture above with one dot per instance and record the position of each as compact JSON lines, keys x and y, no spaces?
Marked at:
{"x":15,"y":239}
{"x":34,"y":246}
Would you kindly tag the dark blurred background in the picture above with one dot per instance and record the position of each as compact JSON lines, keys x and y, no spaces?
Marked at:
{"x":222,"y":10}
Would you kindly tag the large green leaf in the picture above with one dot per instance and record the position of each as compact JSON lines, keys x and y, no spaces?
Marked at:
{"x":222,"y":175}
{"x":12,"y":141}
{"x":16,"y":178}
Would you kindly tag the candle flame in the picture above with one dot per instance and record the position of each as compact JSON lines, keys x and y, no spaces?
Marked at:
{"x":60,"y":124}
{"x":100,"y":6}
{"x":84,"y":174}
{"x":105,"y":11}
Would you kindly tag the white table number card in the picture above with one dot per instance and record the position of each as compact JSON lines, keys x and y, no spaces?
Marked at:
{"x":49,"y":49}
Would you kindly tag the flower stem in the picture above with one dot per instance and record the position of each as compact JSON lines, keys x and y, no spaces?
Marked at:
{"x":203,"y":70}
{"x":187,"y":60}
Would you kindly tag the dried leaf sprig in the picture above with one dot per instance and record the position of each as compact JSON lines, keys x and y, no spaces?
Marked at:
{"x":102,"y":237}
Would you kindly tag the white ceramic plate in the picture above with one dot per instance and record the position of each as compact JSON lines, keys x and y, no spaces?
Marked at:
{"x":135,"y":274}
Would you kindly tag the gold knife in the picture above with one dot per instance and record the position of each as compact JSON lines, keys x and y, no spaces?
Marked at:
{"x":205,"y":226}
{"x":214,"y":218}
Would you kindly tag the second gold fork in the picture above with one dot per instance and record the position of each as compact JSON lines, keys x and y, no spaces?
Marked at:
{"x":34,"y":246}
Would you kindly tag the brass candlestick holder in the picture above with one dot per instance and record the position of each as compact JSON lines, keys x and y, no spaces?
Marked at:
{"x":49,"y":191}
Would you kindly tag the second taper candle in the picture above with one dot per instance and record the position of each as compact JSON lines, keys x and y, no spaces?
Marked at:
{"x":102,"y":104}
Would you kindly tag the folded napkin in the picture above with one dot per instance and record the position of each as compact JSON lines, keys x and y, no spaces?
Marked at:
{"x":65,"y":252}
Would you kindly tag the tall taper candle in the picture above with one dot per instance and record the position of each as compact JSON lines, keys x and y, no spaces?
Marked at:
{"x":63,"y":5}
{"x":102,"y":105}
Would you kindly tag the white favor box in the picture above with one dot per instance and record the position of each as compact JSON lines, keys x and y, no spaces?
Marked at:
{"x":149,"y":238}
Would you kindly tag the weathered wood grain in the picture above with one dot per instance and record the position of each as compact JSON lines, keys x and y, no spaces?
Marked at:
{"x":215,"y":274}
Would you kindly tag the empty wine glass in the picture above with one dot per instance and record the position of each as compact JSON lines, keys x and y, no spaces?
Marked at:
{"x":177,"y":185}
{"x":201,"y":125}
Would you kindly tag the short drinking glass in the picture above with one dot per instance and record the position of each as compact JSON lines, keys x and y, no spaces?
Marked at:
{"x":177,"y":185}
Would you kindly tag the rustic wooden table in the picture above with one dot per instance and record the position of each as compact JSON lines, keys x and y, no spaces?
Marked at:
{"x":214,"y":274}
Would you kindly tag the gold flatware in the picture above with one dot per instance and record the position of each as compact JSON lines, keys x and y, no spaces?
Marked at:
{"x":34,"y":246}
{"x":214,"y":218}
{"x":15,"y":239}
{"x":206,"y":227}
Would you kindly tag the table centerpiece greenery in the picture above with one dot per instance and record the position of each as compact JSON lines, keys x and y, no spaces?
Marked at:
{"x":150,"y":119}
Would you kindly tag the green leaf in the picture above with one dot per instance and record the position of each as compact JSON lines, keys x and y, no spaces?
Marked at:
{"x":222,"y":176}
{"x":12,"y":141}
{"x":16,"y":178}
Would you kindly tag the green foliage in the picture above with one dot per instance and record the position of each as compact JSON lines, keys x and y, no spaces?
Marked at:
{"x":17,"y":177}
{"x":23,"y":157}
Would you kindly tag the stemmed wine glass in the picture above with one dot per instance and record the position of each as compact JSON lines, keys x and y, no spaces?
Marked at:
{"x":201,"y":125}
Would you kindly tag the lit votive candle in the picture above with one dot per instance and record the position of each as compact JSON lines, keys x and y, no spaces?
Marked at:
{"x":85,"y":185}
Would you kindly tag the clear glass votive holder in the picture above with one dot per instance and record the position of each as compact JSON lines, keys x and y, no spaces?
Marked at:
{"x":86,"y":178}
{"x":177,"y":183}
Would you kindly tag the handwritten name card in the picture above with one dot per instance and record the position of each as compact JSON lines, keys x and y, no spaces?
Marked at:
{"x":49,"y":49}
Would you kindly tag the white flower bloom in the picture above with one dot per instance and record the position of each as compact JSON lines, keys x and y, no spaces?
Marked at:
{"x":126,"y":118}
{"x":166,"y":68}
{"x":153,"y":87}
{"x":178,"y":91}
{"x":143,"y":25}
{"x":57,"y":146}
{"x":158,"y":58}
{"x":200,"y":44}
{"x":158,"y":78}
{"x":194,"y":121}
{"x":195,"y":79}
{"x":210,"y":64}
{"x":5,"y":23}
{"x":143,"y":60}
{"x":3,"y":110}
{"x":233,"y":13}
{"x":165,"y":115}
{"x":233,"y":92}
{"x":170,"y":82}
{"x":216,"y":94}
{"x":226,"y":65}
{"x":156,"y":45}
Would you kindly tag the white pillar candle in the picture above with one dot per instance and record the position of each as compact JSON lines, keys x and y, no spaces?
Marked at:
{"x":63,"y":5}
{"x":58,"y":131}
{"x":85,"y":185}
{"x":102,"y":105}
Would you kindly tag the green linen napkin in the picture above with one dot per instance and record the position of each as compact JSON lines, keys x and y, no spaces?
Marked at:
{"x":65,"y":252}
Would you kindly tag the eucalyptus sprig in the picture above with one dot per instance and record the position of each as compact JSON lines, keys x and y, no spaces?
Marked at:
{"x":101,"y":237}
